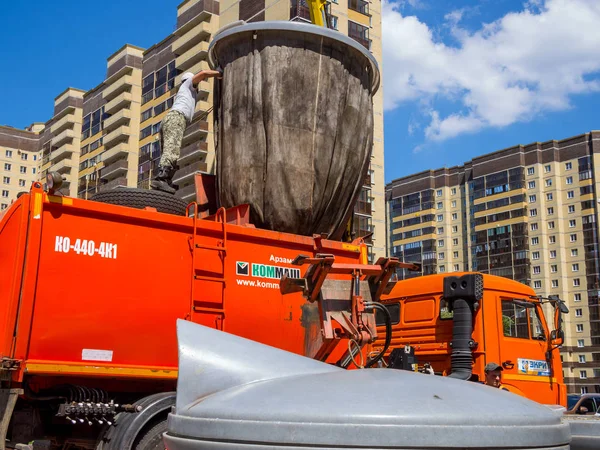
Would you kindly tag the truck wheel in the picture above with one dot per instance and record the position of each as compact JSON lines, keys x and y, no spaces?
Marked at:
{"x":151,"y":438}
{"x":141,"y":198}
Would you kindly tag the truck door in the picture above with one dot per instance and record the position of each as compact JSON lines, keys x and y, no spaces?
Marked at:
{"x":523,"y":346}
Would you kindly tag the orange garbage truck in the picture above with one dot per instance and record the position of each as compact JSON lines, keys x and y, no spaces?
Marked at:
{"x":91,"y":291}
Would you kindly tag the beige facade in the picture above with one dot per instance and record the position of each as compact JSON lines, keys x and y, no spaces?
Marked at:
{"x":20,"y":160}
{"x":60,"y":149}
{"x":529,"y":213}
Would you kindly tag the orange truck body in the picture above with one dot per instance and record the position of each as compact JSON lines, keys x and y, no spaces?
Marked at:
{"x":93,"y":290}
{"x":420,"y":322}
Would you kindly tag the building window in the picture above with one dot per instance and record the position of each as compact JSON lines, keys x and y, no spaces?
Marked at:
{"x":533,"y":226}
{"x":455,"y":229}
{"x":4,"y":205}
{"x":531,"y":184}
{"x":455,"y":254}
{"x":552,"y":239}
{"x":442,"y":268}
{"x":572,"y":223}
{"x":535,"y":241}
{"x":440,"y":217}
{"x":579,"y":312}
{"x":9,"y":153}
{"x":552,"y":254}
{"x":554,"y":283}
{"x":569,"y":180}
{"x":23,"y":156}
{"x":22,"y":183}
{"x":440,"y":205}
{"x":570,"y":194}
{"x":532,"y":198}
{"x":549,"y":182}
{"x":583,"y":390}
{"x":550,"y":210}
{"x":454,"y":241}
{"x":7,"y":166}
{"x":441,"y":255}
{"x":441,"y":243}
{"x":572,"y":237}
{"x":456,"y":268}
{"x":553,"y":268}
{"x":571,"y":208}
{"x":535,"y":255}
{"x":549,"y":196}
{"x":333,"y":21}
{"x":453,"y":191}
{"x":573,"y":252}
{"x":5,"y":194}
{"x":6,"y":180}
{"x":580,"y":328}
{"x":530,"y":170}
{"x":533,"y":212}
{"x":537,"y":284}
{"x":360,"y":34}
{"x":576,"y":282}
{"x":580,"y":343}
{"x":577,"y":297}
{"x":568,"y":166}
{"x":23,"y":169}
{"x":454,"y":216}
{"x":551,"y":225}
{"x":454,"y":203}
{"x":547,"y":168}
{"x":440,"y":230}
{"x":582,"y":374}
{"x":575,"y":267}
{"x":438,"y":193}
{"x":537,"y":270}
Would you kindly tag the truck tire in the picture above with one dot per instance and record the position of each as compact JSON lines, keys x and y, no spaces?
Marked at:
{"x":141,"y":198}
{"x":151,"y":439}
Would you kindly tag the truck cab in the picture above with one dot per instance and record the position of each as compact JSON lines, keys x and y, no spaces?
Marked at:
{"x":504,"y":324}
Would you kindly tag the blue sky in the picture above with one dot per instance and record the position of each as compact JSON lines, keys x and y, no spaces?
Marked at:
{"x":461,"y":77}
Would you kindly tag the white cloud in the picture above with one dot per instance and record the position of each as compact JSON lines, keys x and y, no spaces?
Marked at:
{"x":522,"y":65}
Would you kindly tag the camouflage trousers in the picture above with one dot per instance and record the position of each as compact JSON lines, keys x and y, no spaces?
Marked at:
{"x":171,"y":132}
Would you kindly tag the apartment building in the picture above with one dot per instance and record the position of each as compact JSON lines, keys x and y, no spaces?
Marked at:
{"x":20,"y":161}
{"x":360,"y":20}
{"x":527,"y":213}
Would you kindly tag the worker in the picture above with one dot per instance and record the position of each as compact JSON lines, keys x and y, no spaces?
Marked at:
{"x":493,"y":375}
{"x":173,"y":127}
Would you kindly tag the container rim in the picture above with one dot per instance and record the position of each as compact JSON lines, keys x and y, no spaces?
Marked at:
{"x":299,"y":27}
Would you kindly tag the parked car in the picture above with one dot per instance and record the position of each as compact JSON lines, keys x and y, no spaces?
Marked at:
{"x":587,"y":404}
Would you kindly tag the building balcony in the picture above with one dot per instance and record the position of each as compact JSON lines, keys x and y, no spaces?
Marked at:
{"x":117,"y":182}
{"x":61,"y":153}
{"x":63,"y":138}
{"x":62,"y":166}
{"x":195,"y":35}
{"x":187,"y":193}
{"x":62,"y":124}
{"x":362,"y":207}
{"x":114,"y":170}
{"x":187,"y":173}
{"x":192,"y":56}
{"x":118,"y":103}
{"x":192,"y":152}
{"x":359,"y":6}
{"x":122,"y":84}
{"x":121,"y":118}
{"x":119,"y":151}
{"x":194,"y":132}
{"x":115,"y":137}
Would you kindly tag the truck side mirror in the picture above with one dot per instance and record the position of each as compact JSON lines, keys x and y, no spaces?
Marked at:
{"x":557,"y":337}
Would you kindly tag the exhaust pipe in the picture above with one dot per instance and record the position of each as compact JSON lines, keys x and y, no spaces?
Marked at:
{"x":463,"y":295}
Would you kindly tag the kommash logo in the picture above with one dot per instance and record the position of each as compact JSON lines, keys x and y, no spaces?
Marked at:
{"x":269,"y":271}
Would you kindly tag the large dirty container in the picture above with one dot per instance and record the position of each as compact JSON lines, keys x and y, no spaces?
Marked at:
{"x":293,"y":123}
{"x":233,"y":393}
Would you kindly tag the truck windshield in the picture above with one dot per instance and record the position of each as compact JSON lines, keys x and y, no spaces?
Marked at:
{"x":521,"y":322}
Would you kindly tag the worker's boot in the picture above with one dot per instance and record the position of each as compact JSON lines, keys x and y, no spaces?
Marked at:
{"x":163,"y":181}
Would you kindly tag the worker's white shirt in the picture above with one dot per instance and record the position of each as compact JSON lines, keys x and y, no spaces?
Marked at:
{"x":185,"y":100}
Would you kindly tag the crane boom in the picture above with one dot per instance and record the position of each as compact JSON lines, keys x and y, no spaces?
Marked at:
{"x":317,"y":12}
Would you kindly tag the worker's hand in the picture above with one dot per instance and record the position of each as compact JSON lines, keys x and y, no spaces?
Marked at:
{"x":204,"y":74}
